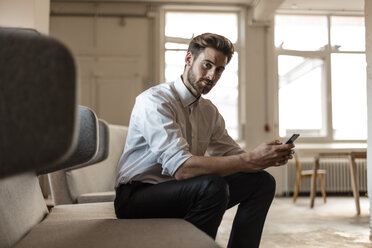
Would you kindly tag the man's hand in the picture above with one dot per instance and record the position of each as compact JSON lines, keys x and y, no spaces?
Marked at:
{"x":269,"y":154}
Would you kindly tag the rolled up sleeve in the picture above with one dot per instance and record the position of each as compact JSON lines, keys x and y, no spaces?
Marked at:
{"x":157,"y":119}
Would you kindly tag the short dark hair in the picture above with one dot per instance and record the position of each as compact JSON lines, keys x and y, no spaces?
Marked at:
{"x":218,"y":42}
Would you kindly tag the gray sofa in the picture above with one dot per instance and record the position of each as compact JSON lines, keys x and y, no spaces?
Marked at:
{"x":42,"y":130}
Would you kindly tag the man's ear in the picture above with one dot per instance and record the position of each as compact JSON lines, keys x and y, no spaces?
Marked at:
{"x":189,"y":59}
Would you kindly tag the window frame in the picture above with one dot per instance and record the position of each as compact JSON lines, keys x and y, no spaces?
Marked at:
{"x":239,"y":48}
{"x":325,"y":55}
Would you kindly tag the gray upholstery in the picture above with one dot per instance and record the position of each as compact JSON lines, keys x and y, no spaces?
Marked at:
{"x":87,"y":146}
{"x":97,"y":141}
{"x":37,"y":82}
{"x":103,"y":146}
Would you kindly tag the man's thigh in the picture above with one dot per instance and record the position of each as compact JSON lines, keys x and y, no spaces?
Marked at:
{"x":171,"y":199}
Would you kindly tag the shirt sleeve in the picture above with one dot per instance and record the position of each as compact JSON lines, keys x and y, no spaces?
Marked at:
{"x":156,"y":118}
{"x":221,"y":143}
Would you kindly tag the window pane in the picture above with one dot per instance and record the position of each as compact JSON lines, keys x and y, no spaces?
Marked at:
{"x":301,"y":32}
{"x":174,"y":64}
{"x":300,"y":95}
{"x":348,"y":33}
{"x":349,"y":101}
{"x":186,"y":25}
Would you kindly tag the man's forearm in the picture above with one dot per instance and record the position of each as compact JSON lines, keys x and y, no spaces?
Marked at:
{"x":198,"y":165}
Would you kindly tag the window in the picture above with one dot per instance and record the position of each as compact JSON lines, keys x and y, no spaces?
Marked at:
{"x":322,"y":76}
{"x":300,"y":94}
{"x":180,"y":27}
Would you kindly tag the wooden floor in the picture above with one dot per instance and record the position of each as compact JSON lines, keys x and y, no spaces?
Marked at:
{"x":331,"y":224}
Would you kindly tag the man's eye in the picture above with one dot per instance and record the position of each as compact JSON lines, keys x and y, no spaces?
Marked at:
{"x":220,"y":70}
{"x":207,"y":65}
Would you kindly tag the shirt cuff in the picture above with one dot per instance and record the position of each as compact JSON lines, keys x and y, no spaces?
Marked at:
{"x":172,"y":164}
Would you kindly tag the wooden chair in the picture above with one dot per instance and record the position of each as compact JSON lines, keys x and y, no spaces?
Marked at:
{"x":308,"y":174}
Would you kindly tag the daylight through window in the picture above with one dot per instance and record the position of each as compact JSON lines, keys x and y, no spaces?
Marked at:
{"x":322,"y":76}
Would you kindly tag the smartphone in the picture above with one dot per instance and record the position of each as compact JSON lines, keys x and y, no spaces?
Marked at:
{"x":292,"y":138}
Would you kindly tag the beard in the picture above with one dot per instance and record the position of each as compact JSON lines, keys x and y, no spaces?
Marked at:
{"x":201,"y":85}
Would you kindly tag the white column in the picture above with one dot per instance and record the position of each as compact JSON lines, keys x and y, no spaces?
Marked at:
{"x":368,"y":22}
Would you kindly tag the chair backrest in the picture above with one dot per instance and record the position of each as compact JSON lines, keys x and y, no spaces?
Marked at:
{"x":298,"y":164}
{"x":87,"y":145}
{"x":38,"y":124}
{"x":37,"y":101}
{"x":99,"y":177}
{"x":69,"y":184}
{"x":57,"y":179}
{"x":103,"y":146}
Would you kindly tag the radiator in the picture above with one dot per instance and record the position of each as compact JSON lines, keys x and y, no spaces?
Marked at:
{"x":337,"y":178}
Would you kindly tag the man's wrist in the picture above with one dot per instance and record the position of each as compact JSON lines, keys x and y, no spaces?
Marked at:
{"x":245,"y":157}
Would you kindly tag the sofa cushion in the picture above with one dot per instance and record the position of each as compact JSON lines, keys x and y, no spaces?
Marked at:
{"x":108,"y":196}
{"x":74,"y":212}
{"x":144,"y":233}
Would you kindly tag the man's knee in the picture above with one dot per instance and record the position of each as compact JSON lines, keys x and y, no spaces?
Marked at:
{"x":269,"y":182}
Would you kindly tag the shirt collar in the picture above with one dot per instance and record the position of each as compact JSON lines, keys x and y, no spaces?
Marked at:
{"x":186,"y":97}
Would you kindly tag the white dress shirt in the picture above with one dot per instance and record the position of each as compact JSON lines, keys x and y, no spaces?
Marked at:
{"x":168,"y":125}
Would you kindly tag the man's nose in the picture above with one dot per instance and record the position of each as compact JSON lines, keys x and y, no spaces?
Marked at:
{"x":211,"y":74}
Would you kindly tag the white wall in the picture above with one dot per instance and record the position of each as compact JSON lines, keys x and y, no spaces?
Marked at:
{"x":113,"y":53}
{"x":25,"y":14}
{"x":368,"y":21}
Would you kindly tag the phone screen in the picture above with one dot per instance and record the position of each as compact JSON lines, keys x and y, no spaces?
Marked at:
{"x":292,"y":138}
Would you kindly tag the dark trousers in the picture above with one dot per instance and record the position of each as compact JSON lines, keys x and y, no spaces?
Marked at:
{"x":202,"y":201}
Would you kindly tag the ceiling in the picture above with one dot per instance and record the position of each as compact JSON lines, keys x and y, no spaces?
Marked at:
{"x":324,"y":5}
{"x":264,"y":10}
{"x":348,"y":5}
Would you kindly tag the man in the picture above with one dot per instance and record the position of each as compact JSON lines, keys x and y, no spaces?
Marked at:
{"x":163,"y":171}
